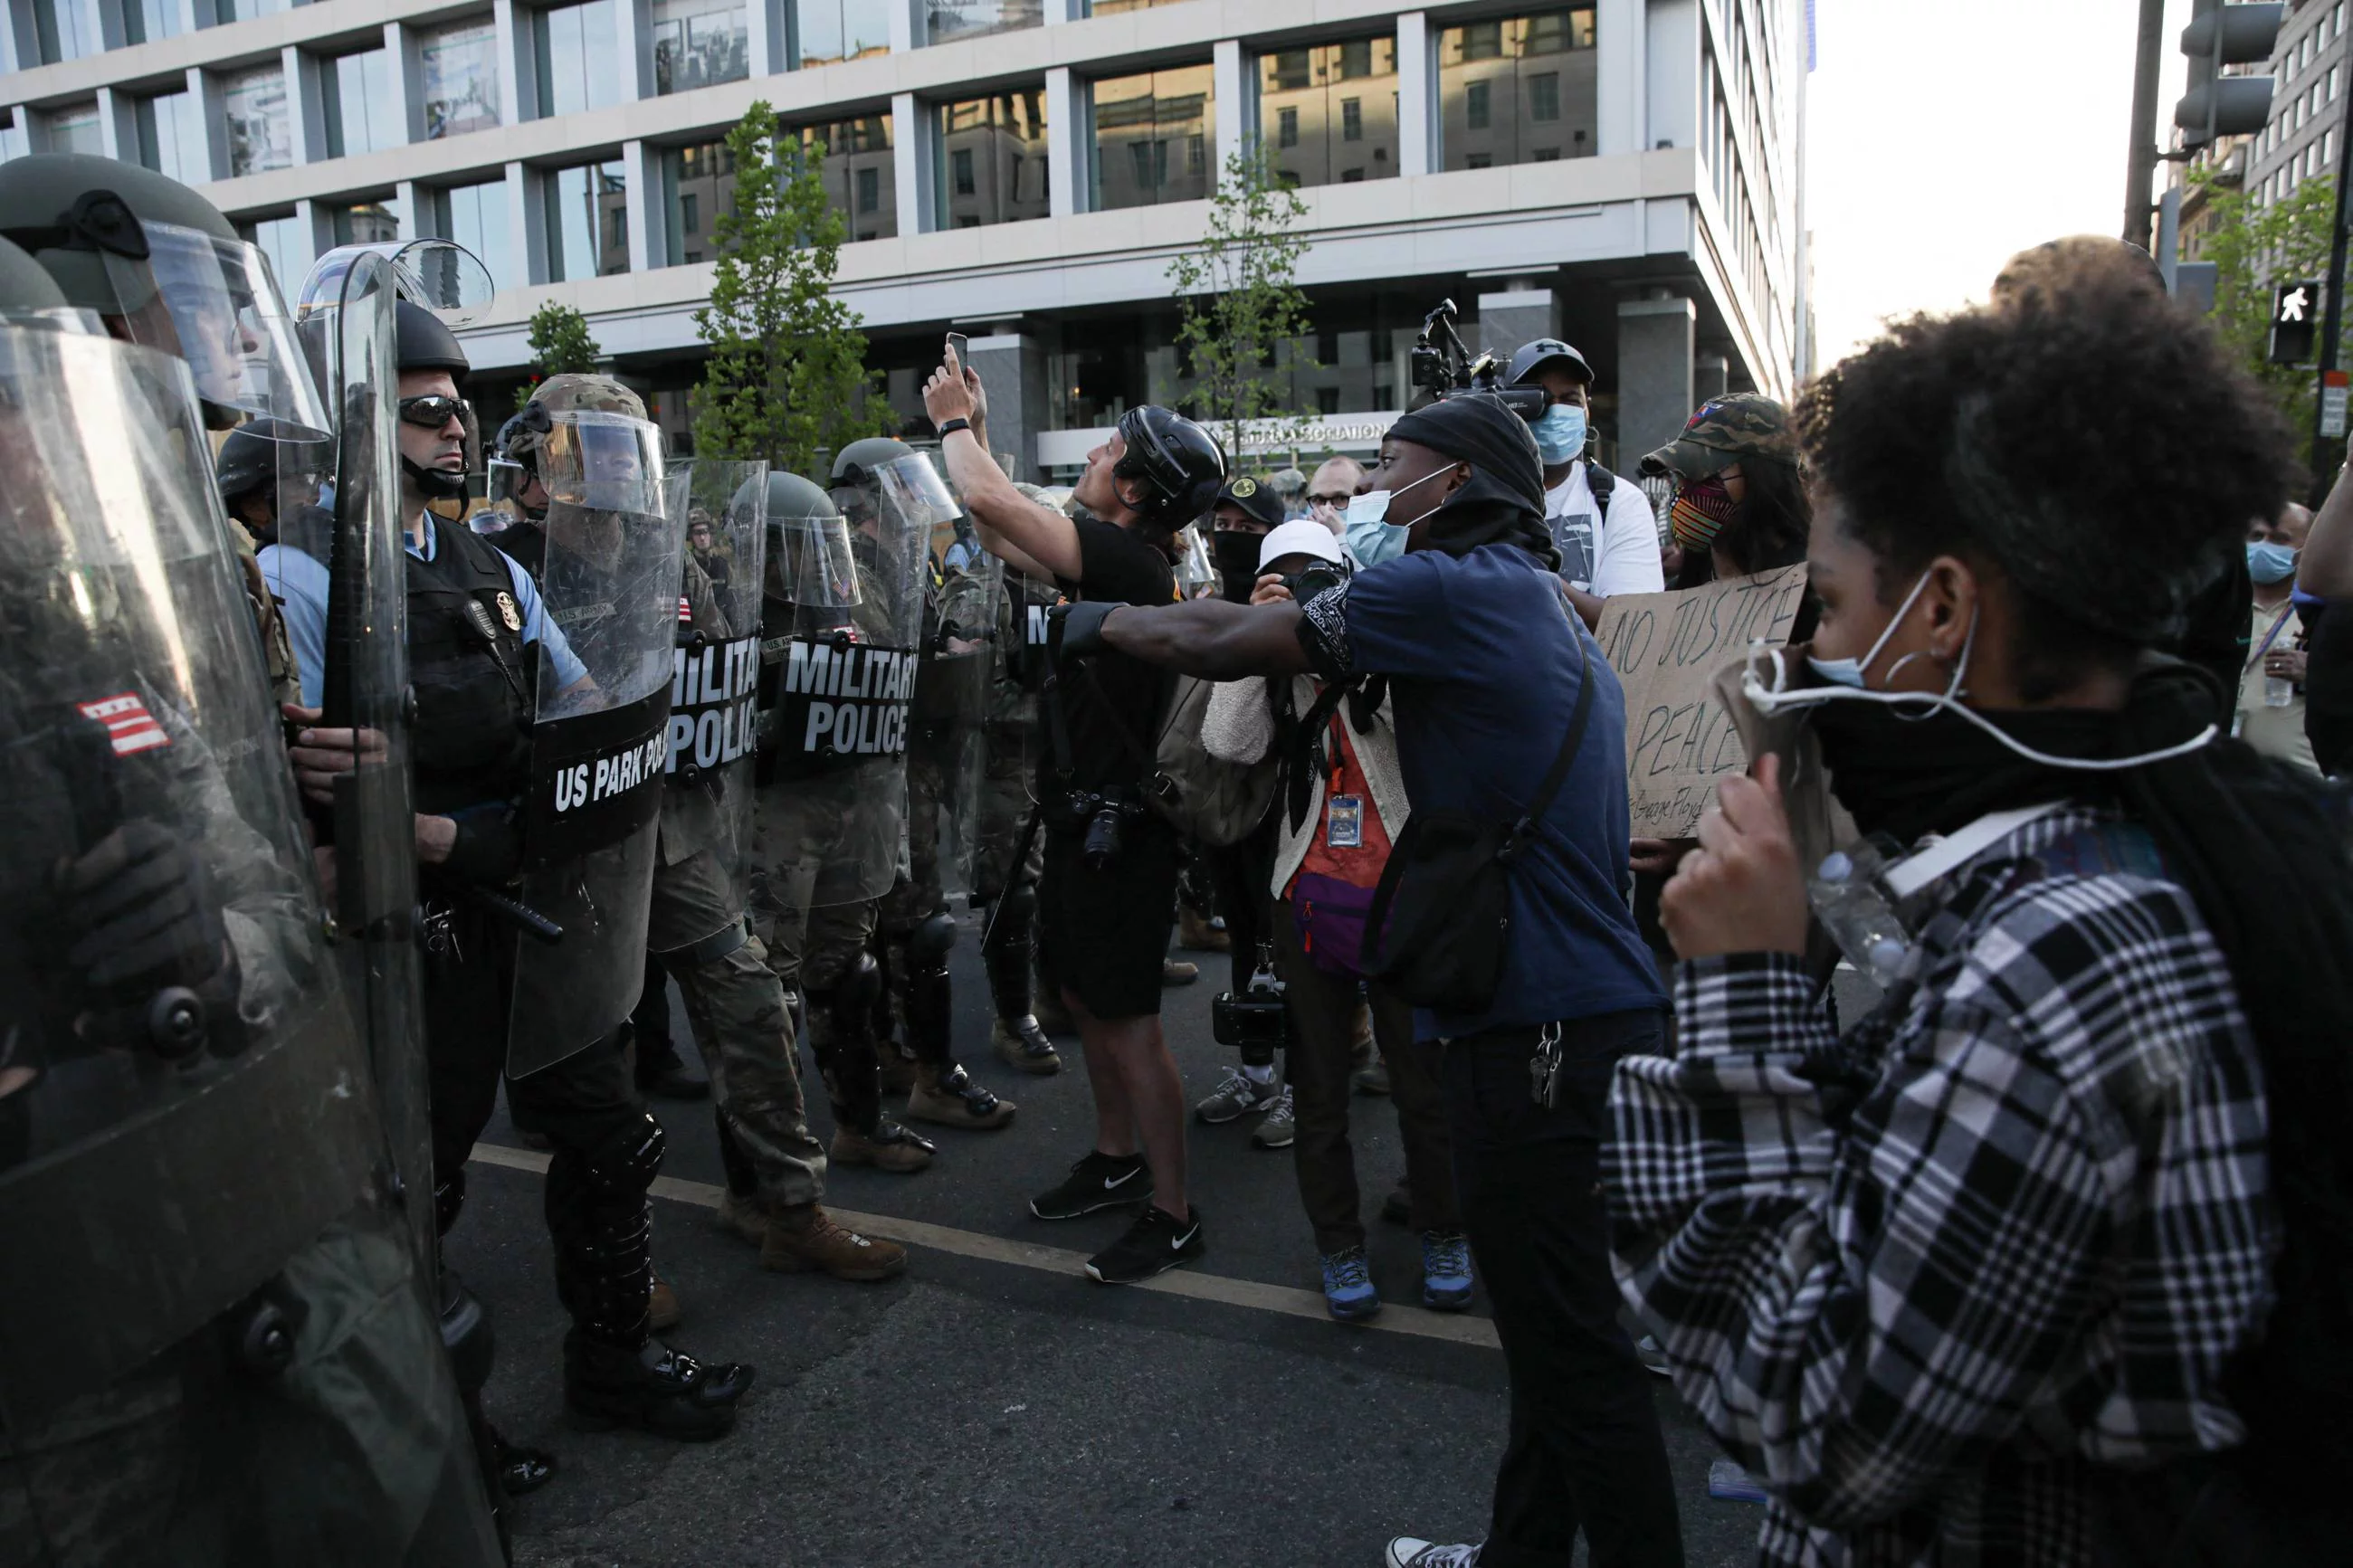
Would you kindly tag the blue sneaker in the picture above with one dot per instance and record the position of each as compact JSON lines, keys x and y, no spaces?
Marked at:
{"x":1348,"y":1293}
{"x":1445,"y":1271}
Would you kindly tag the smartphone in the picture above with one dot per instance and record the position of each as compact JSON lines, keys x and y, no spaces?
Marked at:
{"x":957,"y":346}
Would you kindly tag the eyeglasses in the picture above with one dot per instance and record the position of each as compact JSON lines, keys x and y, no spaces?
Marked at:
{"x":1337,"y":498}
{"x":432,"y":411}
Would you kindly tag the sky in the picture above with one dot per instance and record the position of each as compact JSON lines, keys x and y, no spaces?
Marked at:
{"x":1942,"y":138}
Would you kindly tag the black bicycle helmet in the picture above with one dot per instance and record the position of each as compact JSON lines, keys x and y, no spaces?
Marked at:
{"x":1181,"y":465}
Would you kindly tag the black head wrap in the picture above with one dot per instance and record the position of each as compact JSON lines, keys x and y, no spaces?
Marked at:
{"x":1503,"y":502}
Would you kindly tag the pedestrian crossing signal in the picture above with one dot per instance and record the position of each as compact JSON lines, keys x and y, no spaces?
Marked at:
{"x":2295,"y":322}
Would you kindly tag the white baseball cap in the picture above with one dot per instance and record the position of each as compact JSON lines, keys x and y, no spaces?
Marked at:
{"x":1304,"y":536}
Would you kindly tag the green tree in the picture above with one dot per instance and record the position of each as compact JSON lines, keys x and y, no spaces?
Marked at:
{"x":2255,"y":246}
{"x":559,"y":344}
{"x":786,"y":379}
{"x":1241,"y":318}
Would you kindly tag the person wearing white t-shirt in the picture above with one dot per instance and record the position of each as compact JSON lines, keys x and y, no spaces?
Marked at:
{"x":1601,"y":524}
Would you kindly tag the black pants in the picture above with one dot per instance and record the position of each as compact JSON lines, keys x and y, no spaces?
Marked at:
{"x":1585,"y":1451}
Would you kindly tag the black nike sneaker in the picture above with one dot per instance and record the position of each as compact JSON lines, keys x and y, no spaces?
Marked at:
{"x":1100,"y":1181}
{"x":1156,"y":1242}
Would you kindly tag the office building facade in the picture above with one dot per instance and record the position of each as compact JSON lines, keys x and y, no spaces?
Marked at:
{"x":1621,"y":172}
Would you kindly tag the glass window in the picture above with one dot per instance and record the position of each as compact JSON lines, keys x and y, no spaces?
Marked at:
{"x":995,"y":161}
{"x":476,"y":217}
{"x":1109,"y":7}
{"x":700,"y":43}
{"x":65,"y":29}
{"x":253,"y":106}
{"x":853,"y":159}
{"x":144,"y":21}
{"x":946,"y":20}
{"x":282,"y":241}
{"x":1136,"y":120}
{"x":578,"y":50}
{"x":368,"y":223}
{"x":75,"y":130}
{"x":171,"y":131}
{"x":358,"y":105}
{"x":227,"y":11}
{"x":587,"y":221}
{"x":870,"y":191}
{"x":1519,"y":90}
{"x":825,"y":31}
{"x":1324,"y":132}
{"x":461,"y":78}
{"x":700,"y":184}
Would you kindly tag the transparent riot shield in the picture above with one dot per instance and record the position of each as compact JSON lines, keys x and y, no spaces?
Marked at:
{"x":600,"y":742}
{"x":841,"y":627}
{"x":192,"y":1167}
{"x":947,"y":736}
{"x":715,"y":668}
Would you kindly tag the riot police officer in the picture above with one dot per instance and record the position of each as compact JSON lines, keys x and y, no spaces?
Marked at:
{"x":270,"y":473}
{"x":486,"y":656}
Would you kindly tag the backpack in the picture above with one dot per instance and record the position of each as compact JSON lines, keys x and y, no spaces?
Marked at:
{"x":1212,"y":800}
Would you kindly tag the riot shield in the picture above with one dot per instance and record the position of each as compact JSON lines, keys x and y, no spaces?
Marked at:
{"x":191,"y":1161}
{"x":947,"y":738}
{"x":600,"y":732}
{"x":715,"y":669}
{"x":841,"y":626}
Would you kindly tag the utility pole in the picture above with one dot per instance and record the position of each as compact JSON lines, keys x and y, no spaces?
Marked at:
{"x":2332,"y":320}
{"x":2140,"y":159}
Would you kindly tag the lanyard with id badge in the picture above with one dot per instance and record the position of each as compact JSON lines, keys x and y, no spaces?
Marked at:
{"x":1344,"y":815}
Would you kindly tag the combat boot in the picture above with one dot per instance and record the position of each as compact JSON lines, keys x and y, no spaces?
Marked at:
{"x":897,"y":1067}
{"x":948,"y":1097}
{"x":803,"y":1238}
{"x":1022,"y":1046}
{"x":653,"y":1387}
{"x":1201,"y":932}
{"x":890,"y":1147}
{"x":743,"y":1217}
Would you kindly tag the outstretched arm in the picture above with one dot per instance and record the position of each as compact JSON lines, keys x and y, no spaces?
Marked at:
{"x":1210,"y":638}
{"x":1031,"y":537}
{"x":2326,"y":565}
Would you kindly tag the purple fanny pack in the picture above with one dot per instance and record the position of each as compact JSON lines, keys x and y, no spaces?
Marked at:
{"x":1331,"y":916}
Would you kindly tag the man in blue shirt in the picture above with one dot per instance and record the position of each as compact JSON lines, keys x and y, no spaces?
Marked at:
{"x":1459,"y":606}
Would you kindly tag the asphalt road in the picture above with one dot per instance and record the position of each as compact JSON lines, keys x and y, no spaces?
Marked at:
{"x":994,"y":1406}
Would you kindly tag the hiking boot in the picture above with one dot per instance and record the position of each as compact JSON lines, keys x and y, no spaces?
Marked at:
{"x":1445,"y":1271}
{"x":1348,"y":1293}
{"x":1202,"y":934}
{"x":1281,"y":1126}
{"x":950,"y":1098}
{"x":1177,"y":971}
{"x":1406,"y":1552}
{"x":663,"y":1309}
{"x":890,"y":1147}
{"x":661,"y":1072}
{"x":744,"y":1217}
{"x":1100,"y":1181}
{"x":1022,"y":1045}
{"x":1236,"y":1096}
{"x":653,"y":1387}
{"x":1157,"y":1242}
{"x":895,"y":1068}
{"x":804,"y":1238}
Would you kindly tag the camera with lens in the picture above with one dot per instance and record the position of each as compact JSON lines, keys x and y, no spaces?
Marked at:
{"x":1442,"y":367}
{"x":1259,"y":1016}
{"x":1314,"y":578}
{"x":1103,"y":821}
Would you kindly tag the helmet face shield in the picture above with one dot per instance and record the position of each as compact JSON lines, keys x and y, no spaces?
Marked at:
{"x":438,"y":274}
{"x":213,"y":303}
{"x":809,"y":563}
{"x":511,"y":496}
{"x":914,"y":487}
{"x":604,"y":462}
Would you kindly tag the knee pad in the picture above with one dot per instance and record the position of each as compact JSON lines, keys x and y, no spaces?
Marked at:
{"x":934,"y":936}
{"x":626,"y":1164}
{"x":1013,"y":918}
{"x":854,"y":995}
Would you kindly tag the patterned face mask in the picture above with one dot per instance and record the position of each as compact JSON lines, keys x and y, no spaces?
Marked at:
{"x":1701,"y":509}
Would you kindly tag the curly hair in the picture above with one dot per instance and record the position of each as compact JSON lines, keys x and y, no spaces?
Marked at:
{"x":2086,"y":437}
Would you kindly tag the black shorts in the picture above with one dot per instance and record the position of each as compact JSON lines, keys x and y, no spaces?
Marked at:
{"x":1103,"y":934}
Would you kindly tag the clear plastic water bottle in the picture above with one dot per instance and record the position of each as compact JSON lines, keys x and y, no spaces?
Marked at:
{"x":1846,"y":898}
{"x":2278,"y":691}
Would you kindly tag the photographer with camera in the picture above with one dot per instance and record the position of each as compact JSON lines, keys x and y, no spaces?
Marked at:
{"x":1510,"y":933}
{"x":1107,"y":897}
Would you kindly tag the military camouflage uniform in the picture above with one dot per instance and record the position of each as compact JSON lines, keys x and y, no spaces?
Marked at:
{"x":285,"y":680}
{"x":734,"y":1002}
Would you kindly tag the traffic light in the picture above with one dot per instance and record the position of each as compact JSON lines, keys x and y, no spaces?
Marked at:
{"x":2217,"y":105}
{"x":2295,"y":321}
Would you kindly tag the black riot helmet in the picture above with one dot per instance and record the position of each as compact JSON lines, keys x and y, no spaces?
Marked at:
{"x":263,"y":452}
{"x":1180,"y":463}
{"x":25,"y":287}
{"x":422,"y":340}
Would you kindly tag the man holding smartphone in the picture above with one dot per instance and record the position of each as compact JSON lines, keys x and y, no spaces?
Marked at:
{"x":1107,"y":895}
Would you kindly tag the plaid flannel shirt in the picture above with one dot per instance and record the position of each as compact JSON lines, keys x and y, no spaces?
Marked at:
{"x":1922,"y":1280}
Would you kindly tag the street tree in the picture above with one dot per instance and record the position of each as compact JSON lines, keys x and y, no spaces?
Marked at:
{"x":1241,"y":316}
{"x":560,"y":344}
{"x":2254,"y":245}
{"x":786,"y":379}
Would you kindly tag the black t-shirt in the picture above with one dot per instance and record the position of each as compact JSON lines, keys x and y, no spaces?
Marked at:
{"x":2329,"y":688}
{"x":2215,"y":634}
{"x":1107,"y":692}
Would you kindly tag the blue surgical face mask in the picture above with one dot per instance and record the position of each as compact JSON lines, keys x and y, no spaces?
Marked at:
{"x":1850,"y":672}
{"x":2268,"y":562}
{"x":1560,"y":433}
{"x":1370,"y":536}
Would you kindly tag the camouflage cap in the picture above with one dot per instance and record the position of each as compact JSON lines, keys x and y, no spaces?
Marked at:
{"x":1734,"y":428}
{"x":573,"y":392}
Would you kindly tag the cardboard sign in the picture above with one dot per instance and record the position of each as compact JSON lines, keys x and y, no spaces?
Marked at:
{"x":1666,"y":648}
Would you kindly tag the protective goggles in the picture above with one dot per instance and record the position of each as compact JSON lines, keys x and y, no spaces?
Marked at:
{"x":432,"y":410}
